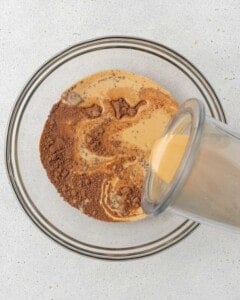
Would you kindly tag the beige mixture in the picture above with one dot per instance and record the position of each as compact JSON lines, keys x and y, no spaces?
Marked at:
{"x":97,"y":140}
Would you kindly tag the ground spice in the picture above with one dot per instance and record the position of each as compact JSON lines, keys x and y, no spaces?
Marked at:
{"x":57,"y":148}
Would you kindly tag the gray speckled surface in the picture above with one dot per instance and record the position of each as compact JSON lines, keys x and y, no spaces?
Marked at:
{"x":207,"y":263}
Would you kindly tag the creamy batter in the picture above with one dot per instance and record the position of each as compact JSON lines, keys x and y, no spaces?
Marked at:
{"x":97,"y":140}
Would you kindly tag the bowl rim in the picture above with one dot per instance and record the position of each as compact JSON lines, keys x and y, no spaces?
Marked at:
{"x":12,"y":129}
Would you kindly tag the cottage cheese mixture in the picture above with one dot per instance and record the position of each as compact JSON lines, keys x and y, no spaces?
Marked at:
{"x":97,"y":139}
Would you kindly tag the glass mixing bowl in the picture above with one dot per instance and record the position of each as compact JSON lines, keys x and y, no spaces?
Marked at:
{"x":38,"y":196}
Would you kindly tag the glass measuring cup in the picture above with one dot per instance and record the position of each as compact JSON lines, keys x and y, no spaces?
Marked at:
{"x":195,"y":169}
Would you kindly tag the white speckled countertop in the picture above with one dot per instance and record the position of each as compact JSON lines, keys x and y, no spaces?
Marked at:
{"x":205,"y":264}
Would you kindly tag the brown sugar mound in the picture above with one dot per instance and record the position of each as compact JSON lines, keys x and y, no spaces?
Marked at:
{"x":85,"y":146}
{"x":122,"y":108}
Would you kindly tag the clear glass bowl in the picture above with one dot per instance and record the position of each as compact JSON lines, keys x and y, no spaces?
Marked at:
{"x":38,"y":196}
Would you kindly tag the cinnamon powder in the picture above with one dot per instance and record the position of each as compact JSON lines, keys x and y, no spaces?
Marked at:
{"x":57,"y":148}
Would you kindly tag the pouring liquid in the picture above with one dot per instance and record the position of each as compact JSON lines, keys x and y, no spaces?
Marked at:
{"x":211,"y":192}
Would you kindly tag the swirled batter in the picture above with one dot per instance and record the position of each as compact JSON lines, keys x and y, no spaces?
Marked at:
{"x":97,"y":140}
